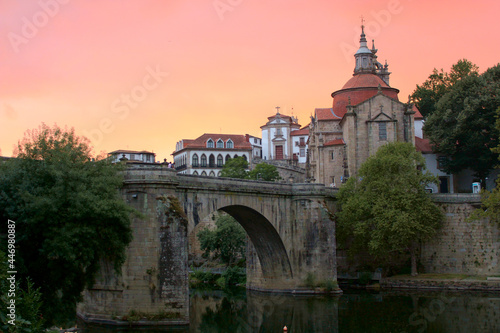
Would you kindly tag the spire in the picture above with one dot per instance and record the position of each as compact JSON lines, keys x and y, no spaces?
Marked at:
{"x":364,"y":56}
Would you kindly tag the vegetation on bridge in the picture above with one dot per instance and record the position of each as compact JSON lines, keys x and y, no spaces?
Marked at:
{"x":238,"y":168}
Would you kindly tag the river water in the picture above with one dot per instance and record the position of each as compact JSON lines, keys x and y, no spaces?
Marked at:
{"x":352,"y":312}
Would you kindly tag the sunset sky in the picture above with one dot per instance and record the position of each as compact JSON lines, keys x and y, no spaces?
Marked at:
{"x":143,"y":74}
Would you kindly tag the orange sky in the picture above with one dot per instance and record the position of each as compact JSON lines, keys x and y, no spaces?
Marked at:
{"x":143,"y":74}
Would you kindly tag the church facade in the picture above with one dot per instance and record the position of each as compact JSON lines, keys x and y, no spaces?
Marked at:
{"x":366,"y":113}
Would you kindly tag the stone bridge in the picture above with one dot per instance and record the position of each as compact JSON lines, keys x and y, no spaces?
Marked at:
{"x":289,"y":227}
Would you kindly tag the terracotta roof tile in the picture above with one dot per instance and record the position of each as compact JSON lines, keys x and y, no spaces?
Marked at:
{"x":239,"y":141}
{"x":326,"y":114}
{"x":423,"y":145}
{"x":417,"y":114}
{"x":337,"y":142}
{"x":303,"y":131}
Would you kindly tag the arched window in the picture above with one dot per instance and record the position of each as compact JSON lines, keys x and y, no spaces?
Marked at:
{"x":220,"y":161}
{"x":195,"y":161}
{"x":203,"y":160}
{"x":210,"y":143}
{"x":220,"y":143}
{"x":211,"y":161}
{"x":228,"y":157}
{"x":235,"y":155}
{"x":218,"y":174}
{"x":212,"y":174}
{"x":203,"y":173}
{"x":195,"y":173}
{"x":245,"y":157}
{"x":229,"y":144}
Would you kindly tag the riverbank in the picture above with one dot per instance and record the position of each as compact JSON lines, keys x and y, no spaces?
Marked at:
{"x":442,"y":282}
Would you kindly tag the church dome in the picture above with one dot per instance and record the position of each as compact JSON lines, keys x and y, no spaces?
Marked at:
{"x":365,"y":81}
{"x":358,"y":89}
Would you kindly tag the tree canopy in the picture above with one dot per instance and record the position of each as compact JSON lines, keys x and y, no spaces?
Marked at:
{"x":68,"y":213}
{"x":463,"y":125}
{"x":491,"y":199}
{"x":427,"y":95}
{"x":264,"y":171}
{"x":238,"y":168}
{"x":235,"y":168}
{"x":226,"y":242}
{"x":387,"y":209}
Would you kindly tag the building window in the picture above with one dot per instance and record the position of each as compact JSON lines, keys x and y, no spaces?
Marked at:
{"x":245,"y":157}
{"x":220,"y":143}
{"x":220,"y":161}
{"x":203,"y":173}
{"x":229,"y":144}
{"x":441,"y":162}
{"x":235,"y":155}
{"x":195,"y":161}
{"x":332,"y":155}
{"x":132,"y":157}
{"x":212,"y":174}
{"x":210,"y":143}
{"x":302,"y":141}
{"x":382,"y":131}
{"x":211,"y":161}
{"x":195,"y":173}
{"x":203,"y":160}
{"x":228,"y":157}
{"x":219,"y":174}
{"x":302,"y":152}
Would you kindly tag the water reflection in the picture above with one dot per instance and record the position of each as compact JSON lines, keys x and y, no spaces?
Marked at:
{"x":354,"y":311}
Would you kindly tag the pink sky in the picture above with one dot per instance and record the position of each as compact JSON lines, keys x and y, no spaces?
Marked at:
{"x":221,"y":66}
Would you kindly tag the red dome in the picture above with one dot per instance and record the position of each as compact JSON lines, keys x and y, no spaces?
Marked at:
{"x":364,"y":81}
{"x":358,"y":89}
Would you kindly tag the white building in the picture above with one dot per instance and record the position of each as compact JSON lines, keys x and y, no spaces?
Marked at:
{"x":256,"y":145}
{"x":207,"y":154}
{"x":277,"y":142}
{"x":132,"y":156}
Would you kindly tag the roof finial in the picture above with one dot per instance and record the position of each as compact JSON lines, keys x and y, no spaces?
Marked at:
{"x":277,"y":110}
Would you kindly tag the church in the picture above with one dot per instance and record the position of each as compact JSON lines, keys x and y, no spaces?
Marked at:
{"x":366,"y":113}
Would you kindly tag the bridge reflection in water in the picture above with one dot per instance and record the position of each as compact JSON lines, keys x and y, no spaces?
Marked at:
{"x":248,"y":311}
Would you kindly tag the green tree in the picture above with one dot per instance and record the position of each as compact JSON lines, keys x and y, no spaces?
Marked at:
{"x":264,"y":171}
{"x":463,"y":125}
{"x":68,"y":213}
{"x":387,"y":209}
{"x":28,"y":317}
{"x":235,"y":168}
{"x":427,"y":95}
{"x":226,"y":242}
{"x":491,"y":199}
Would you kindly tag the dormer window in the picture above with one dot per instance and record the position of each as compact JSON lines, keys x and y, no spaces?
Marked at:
{"x":229,"y":144}
{"x":220,"y":143}
{"x":210,"y":143}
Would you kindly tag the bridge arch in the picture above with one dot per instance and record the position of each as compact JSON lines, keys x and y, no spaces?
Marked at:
{"x":268,"y":244}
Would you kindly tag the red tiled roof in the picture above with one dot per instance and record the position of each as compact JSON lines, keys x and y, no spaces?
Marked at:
{"x":239,"y":141}
{"x":326,"y":114}
{"x":417,"y":114}
{"x":303,"y":131}
{"x":423,"y":145}
{"x":365,"y":81}
{"x":337,"y":142}
{"x":358,"y":89}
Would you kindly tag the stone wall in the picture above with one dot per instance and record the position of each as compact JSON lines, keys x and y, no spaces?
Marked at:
{"x":462,"y":246}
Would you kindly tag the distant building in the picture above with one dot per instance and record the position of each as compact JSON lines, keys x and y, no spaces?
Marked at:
{"x":256,"y":145}
{"x":207,"y":154}
{"x":365,"y":114}
{"x":132,"y":156}
{"x":279,"y":140}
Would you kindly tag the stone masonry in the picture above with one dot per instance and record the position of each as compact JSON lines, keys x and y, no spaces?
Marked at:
{"x":290,"y":227}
